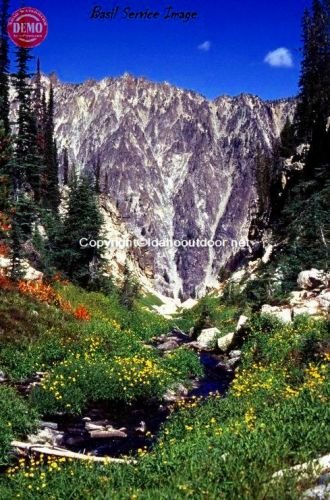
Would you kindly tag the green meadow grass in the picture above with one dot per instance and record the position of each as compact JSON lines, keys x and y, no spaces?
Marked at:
{"x":275,"y":415}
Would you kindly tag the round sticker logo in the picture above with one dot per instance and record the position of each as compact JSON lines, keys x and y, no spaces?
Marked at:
{"x":27,"y":27}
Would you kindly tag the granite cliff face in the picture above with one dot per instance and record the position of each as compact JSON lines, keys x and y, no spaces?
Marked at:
{"x":173,"y":165}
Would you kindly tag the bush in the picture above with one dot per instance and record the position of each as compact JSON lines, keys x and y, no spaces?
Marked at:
{"x":16,"y":420}
{"x":184,"y":364}
{"x":210,"y":311}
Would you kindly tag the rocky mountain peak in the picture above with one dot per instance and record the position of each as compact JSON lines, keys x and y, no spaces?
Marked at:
{"x":174,"y":165}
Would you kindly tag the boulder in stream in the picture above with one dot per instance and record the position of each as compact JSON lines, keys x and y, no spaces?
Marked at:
{"x":208,"y":338}
{"x":226,"y":341}
{"x":46,"y":436}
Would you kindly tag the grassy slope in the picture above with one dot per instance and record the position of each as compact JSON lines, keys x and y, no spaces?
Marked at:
{"x":275,"y":415}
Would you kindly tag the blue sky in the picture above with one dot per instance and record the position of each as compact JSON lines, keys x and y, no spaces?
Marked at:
{"x":222,"y":52}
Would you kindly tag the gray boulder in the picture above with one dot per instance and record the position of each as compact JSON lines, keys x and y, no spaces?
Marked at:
{"x":284,"y":314}
{"x":307,"y":280}
{"x":208,"y":338}
{"x":226,"y":341}
{"x":46,"y":436}
{"x":241,"y":323}
{"x":324,"y":300}
{"x":235,"y":354}
{"x":170,"y":345}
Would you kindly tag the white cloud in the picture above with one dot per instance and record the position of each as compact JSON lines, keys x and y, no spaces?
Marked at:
{"x":205,"y":46}
{"x":279,"y":58}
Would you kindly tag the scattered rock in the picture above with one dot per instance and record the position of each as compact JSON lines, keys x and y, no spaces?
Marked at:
{"x":284,"y":314}
{"x":223,"y":365}
{"x":31,"y":254}
{"x":267,"y":255}
{"x":142,"y":427}
{"x":89,"y":426}
{"x":233,"y":362}
{"x":194,"y":345}
{"x":308,"y":280}
{"x":30,"y":274}
{"x":208,"y":338}
{"x":241,"y":323}
{"x":316,"y":467}
{"x":229,"y":364}
{"x":324,"y":300}
{"x":319,"y":492}
{"x":176,"y":393}
{"x":107,"y":434}
{"x":191,"y":332}
{"x":177,"y":332}
{"x":49,"y":425}
{"x":170,"y":345}
{"x":3,"y":377}
{"x":235,"y":354}
{"x":296,"y":298}
{"x":314,"y":303}
{"x":238,"y":276}
{"x":310,"y":307}
{"x":4,"y":263}
{"x":226,"y":341}
{"x":46,"y":436}
{"x":189,"y":304}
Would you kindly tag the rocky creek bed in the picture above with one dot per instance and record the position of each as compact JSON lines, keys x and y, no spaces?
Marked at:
{"x":116,"y":431}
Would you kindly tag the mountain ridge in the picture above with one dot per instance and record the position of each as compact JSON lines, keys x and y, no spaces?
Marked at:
{"x":173,"y":164}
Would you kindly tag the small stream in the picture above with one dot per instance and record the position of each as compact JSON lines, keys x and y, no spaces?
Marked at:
{"x":139,"y":424}
{"x":135,"y":427}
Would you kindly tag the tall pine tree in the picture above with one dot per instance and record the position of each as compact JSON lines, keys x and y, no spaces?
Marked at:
{"x":4,"y":68}
{"x":51,"y":194}
{"x":314,"y":98}
{"x":4,"y":107}
{"x":39,"y":109}
{"x":27,"y":163}
{"x":65,"y":163}
{"x":83,"y":220}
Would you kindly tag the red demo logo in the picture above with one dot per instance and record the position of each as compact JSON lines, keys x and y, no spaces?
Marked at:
{"x":27,"y":27}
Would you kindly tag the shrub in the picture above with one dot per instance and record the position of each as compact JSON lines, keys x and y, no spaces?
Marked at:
{"x":16,"y":419}
{"x":184,"y":364}
{"x":82,"y":314}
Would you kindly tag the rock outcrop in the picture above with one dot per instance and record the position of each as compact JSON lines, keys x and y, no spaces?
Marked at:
{"x":309,"y":280}
{"x":174,"y":166}
{"x":313,"y":299}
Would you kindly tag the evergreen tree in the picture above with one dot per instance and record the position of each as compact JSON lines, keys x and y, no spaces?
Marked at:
{"x":65,"y":167}
{"x":4,"y":107}
{"x":26,"y":166}
{"x":300,"y":216}
{"x":204,"y":320}
{"x":314,"y":98}
{"x":39,"y":105}
{"x":97,"y":173}
{"x":5,"y":154}
{"x":263,"y":169}
{"x":129,"y":290}
{"x":83,"y":220}
{"x":22,"y":216}
{"x":51,"y":194}
{"x":288,"y":141}
{"x":4,"y":68}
